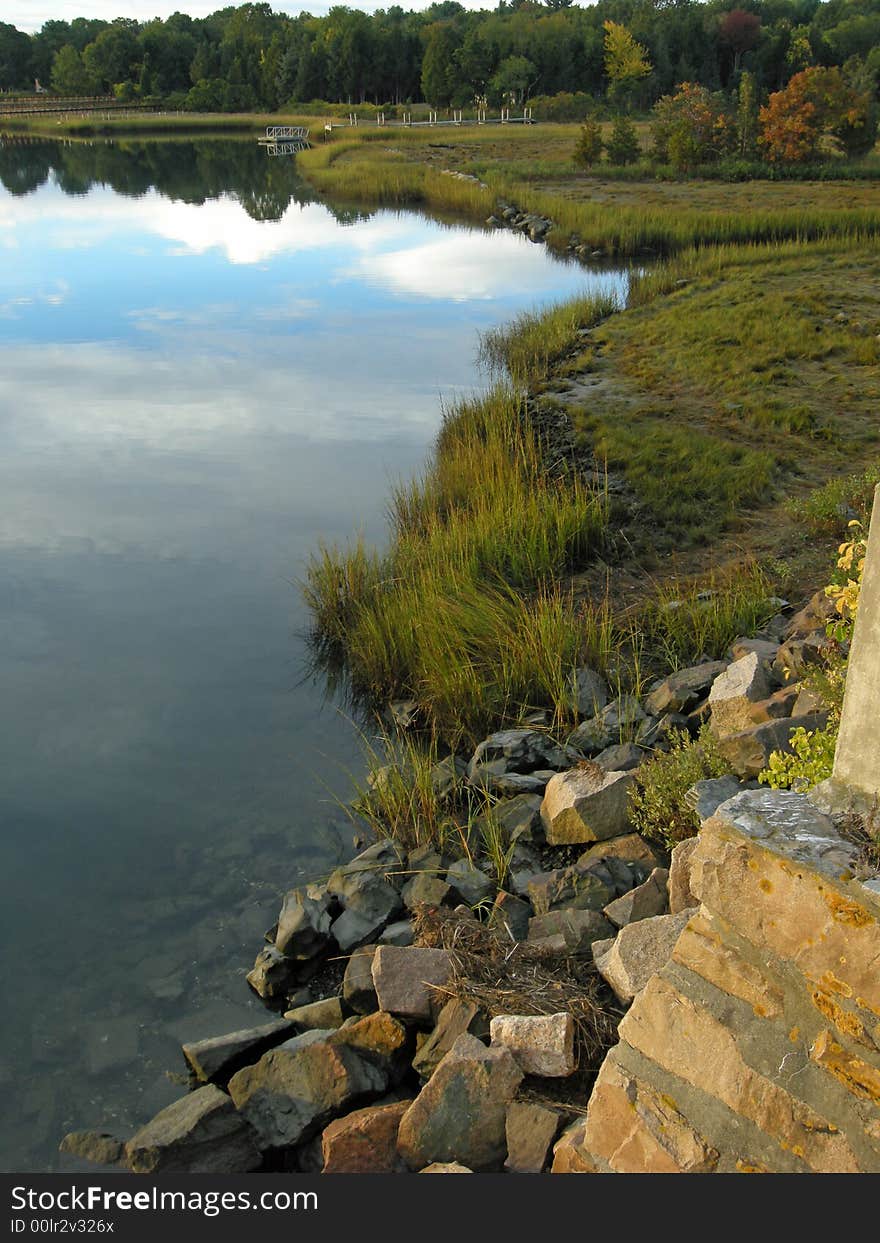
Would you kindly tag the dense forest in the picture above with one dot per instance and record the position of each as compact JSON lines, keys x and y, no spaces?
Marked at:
{"x":251,"y":57}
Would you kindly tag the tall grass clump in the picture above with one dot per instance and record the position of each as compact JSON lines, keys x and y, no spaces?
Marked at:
{"x":532,"y":345}
{"x":464,"y":613}
{"x":685,"y":621}
{"x":831,"y":507}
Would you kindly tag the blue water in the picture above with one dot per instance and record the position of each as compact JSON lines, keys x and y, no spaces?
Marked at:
{"x":202,"y":375}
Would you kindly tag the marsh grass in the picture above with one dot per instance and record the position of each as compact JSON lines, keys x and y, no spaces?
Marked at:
{"x":531,"y":347}
{"x":464,"y":613}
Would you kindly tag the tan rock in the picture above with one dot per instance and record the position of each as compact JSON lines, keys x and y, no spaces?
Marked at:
{"x":733,"y":692}
{"x":638,"y":1130}
{"x":648,"y":899}
{"x":638,"y":951}
{"x":854,"y":1073}
{"x":680,"y":896}
{"x":541,"y":1044}
{"x":445,"y":1167}
{"x":586,"y":805}
{"x":364,"y":1142}
{"x":685,"y":1039}
{"x":317,"y":1015}
{"x":630,"y":847}
{"x":531,"y":1130}
{"x":404,"y":978}
{"x":701,"y":948}
{"x":570,"y":1155}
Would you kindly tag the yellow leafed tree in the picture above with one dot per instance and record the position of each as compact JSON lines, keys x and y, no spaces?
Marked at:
{"x":626,"y":61}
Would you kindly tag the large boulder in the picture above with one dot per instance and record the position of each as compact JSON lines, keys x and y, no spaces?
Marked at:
{"x":638,"y":951}
{"x":734,"y":691}
{"x":364,"y":1142}
{"x":202,"y":1133}
{"x":404,"y":979}
{"x":296,"y":1089}
{"x":586,"y":804}
{"x":542,"y":1044}
{"x":304,"y":922}
{"x":215,"y":1059}
{"x":460,"y":1113}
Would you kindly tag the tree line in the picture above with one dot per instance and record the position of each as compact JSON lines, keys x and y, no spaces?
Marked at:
{"x":250,"y":57}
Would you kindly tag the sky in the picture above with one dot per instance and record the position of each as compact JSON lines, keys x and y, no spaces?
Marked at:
{"x":31,"y":14}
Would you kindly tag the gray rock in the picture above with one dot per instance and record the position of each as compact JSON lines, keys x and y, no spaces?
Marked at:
{"x":764,"y":649}
{"x":358,"y":989}
{"x":304,"y":923}
{"x":367,"y":892}
{"x":510,"y":916}
{"x":586,"y":804}
{"x":589,"y":692}
{"x":296,"y":1089}
{"x":518,"y":751}
{"x":272,"y":974}
{"x":630,"y":848}
{"x":568,"y":887}
{"x":748,"y":751}
{"x":657,"y":734}
{"x":200,"y":1134}
{"x":379,"y":1039}
{"x":682,"y":690}
{"x":460,"y":1113}
{"x":519,"y":817}
{"x":214,"y":1060}
{"x":425,"y":890}
{"x":400,"y":934}
{"x":353,"y":928}
{"x":509,"y":785}
{"x":638,"y":952}
{"x":648,"y":899}
{"x":455,"y":1019}
{"x":705,"y":796}
{"x":448,"y":775}
{"x":403,"y":979}
{"x":621,"y":758}
{"x":469,"y":885}
{"x":578,"y":929}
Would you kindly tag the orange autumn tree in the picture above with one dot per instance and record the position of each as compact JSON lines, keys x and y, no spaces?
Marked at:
{"x":816,"y":101}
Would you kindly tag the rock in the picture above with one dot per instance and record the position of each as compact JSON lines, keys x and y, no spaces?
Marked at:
{"x":578,"y":929}
{"x":764,"y":649}
{"x":367,"y":892}
{"x":733,"y":692}
{"x":682,"y":690}
{"x":400,"y":934}
{"x":304,"y":923}
{"x":200,"y":1134}
{"x":98,"y":1147}
{"x":448,"y":775}
{"x":646,"y":900}
{"x":531,"y":1131}
{"x":296,"y":1089}
{"x":358,"y":989}
{"x":510,"y":785}
{"x":510,"y":916}
{"x":517,"y":751}
{"x":680,"y":896}
{"x":589,"y":692}
{"x":618,"y":874}
{"x":425,"y":890}
{"x":519,"y":817}
{"x":621,"y":715}
{"x":586,"y":805}
{"x":812,"y":617}
{"x":317,"y":1015}
{"x":469,"y":885}
{"x":631,"y":848}
{"x":215,"y":1059}
{"x":446,"y":1167}
{"x":352,"y":929}
{"x":807,"y":702}
{"x":621,"y":758}
{"x":378,"y":1039}
{"x":638,"y":951}
{"x":541,"y":1044}
{"x":272,"y":974}
{"x":795,"y":656}
{"x":364,"y":1142}
{"x":749,"y":751}
{"x":568,"y":887}
{"x":403,"y":979}
{"x":570,"y":1154}
{"x":779,"y":705}
{"x":704,"y":797}
{"x":456,"y":1019}
{"x":460,"y":1113}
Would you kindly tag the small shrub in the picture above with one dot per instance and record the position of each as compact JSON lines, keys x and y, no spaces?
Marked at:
{"x":810,"y":762}
{"x":657,"y":806}
{"x":623,"y":143}
{"x":589,"y":147}
{"x":831,"y":507}
{"x":847,"y":584}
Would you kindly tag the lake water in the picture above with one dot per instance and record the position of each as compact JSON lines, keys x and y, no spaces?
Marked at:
{"x":202,"y":374}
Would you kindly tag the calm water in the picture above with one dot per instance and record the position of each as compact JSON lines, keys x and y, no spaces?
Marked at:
{"x":202,"y":374}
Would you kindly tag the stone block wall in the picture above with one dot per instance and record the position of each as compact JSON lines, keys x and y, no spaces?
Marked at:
{"x":757,"y":1047}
